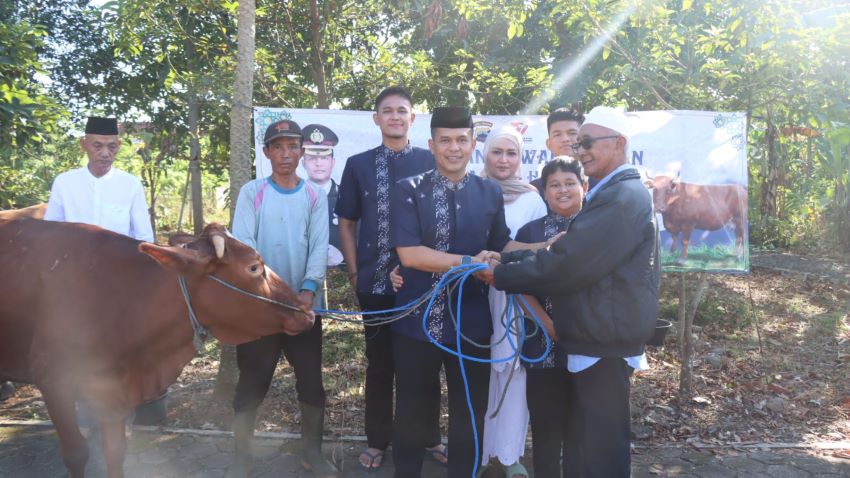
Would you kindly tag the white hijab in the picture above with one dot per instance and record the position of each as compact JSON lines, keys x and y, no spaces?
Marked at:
{"x":514,"y":187}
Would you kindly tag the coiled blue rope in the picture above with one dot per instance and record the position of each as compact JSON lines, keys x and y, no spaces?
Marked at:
{"x":457,"y":276}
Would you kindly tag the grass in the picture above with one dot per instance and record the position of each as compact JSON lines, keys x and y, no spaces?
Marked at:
{"x":718,"y":305}
{"x":705,"y":258}
{"x":343,"y":342}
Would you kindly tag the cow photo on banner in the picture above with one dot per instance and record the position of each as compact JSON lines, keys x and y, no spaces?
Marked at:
{"x":694,"y":164}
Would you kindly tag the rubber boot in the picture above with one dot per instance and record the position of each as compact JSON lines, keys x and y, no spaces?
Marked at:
{"x":312,"y":425}
{"x":243,"y":434}
{"x":6,"y":390}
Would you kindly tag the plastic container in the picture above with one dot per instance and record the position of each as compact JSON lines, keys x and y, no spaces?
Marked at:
{"x":662,"y":326}
{"x":152,"y":412}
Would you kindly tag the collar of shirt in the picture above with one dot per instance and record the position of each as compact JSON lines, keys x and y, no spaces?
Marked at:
{"x":277,"y":187}
{"x":559,"y":221}
{"x":448,"y":183}
{"x":604,"y":180}
{"x":93,"y":178}
{"x":393,"y":154}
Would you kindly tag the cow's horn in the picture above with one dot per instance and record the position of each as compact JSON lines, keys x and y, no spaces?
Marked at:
{"x":218,"y":244}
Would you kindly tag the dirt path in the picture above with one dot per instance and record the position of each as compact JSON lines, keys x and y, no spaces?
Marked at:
{"x":832,"y":269}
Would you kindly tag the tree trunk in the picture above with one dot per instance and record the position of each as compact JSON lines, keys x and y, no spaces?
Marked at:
{"x":842,"y":219}
{"x":240,"y":157}
{"x":195,"y":164}
{"x":682,"y":308}
{"x":183,"y":201}
{"x":317,"y":59}
{"x":240,"y":112}
{"x":149,"y":178}
{"x":770,"y":175}
{"x":687,"y":346}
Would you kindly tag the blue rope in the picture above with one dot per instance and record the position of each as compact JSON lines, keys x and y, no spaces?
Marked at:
{"x":460,"y":274}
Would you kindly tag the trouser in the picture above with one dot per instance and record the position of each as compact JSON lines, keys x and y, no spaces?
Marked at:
{"x":257,"y":361}
{"x":546,"y":394}
{"x":417,"y":388}
{"x":598,"y":437}
{"x":380,"y":375}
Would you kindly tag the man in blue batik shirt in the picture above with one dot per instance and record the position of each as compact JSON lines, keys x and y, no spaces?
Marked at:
{"x":444,"y":218}
{"x":365,"y":199}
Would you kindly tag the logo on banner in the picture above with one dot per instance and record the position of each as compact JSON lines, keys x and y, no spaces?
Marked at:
{"x":735,"y":126}
{"x":520,"y":126}
{"x":480,"y":130}
{"x":316,"y":136}
{"x":264,"y":117}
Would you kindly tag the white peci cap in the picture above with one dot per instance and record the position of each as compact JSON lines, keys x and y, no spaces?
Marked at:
{"x":611,"y":118}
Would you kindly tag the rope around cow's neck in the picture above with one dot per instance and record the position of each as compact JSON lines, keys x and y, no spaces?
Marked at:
{"x":199,"y":332}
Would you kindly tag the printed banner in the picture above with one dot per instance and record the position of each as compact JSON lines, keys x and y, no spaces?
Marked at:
{"x":694,"y":162}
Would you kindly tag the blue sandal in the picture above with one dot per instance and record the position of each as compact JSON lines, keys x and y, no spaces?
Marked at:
{"x":438,"y":455}
{"x":372,"y":458}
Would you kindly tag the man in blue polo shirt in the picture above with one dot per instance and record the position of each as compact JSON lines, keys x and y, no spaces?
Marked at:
{"x":365,"y":197}
{"x":286,"y":220}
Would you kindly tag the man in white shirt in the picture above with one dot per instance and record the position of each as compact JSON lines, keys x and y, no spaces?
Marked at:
{"x":99,"y":194}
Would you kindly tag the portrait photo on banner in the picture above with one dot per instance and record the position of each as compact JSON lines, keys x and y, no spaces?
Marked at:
{"x":694,"y":165}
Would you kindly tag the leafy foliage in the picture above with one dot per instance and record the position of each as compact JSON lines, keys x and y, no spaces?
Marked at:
{"x":782,"y":63}
{"x":26,"y":112}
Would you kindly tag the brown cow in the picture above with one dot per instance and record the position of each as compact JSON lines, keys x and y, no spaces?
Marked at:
{"x":89,"y":314}
{"x":34,"y":212}
{"x":685,"y":207}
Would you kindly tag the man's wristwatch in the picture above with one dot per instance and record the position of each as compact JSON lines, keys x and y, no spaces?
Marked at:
{"x":465,"y":260}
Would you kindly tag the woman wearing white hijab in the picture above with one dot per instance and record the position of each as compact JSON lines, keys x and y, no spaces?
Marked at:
{"x":504,"y":434}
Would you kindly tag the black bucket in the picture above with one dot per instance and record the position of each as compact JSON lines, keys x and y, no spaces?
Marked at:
{"x":152,"y":412}
{"x":662,"y":326}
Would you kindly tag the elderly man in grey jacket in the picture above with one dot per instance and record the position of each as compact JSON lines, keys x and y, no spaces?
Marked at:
{"x":603,"y":278}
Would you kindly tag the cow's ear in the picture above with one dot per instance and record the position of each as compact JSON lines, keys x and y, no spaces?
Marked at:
{"x":180,"y":239}
{"x":179,"y":259}
{"x":648,"y":183}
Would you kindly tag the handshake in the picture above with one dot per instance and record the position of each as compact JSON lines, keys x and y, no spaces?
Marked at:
{"x":492,"y":259}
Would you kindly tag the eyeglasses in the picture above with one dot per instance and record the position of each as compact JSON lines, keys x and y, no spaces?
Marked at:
{"x":587,"y":143}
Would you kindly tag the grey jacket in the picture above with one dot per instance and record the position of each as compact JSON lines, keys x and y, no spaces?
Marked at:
{"x":603,"y":275}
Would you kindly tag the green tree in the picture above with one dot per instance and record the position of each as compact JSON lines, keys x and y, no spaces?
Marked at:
{"x":176,"y":57}
{"x":27,"y":113}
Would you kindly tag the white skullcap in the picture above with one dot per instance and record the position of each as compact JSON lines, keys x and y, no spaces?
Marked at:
{"x":608,"y":117}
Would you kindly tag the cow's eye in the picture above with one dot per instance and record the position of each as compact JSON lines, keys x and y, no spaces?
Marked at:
{"x":255,"y":267}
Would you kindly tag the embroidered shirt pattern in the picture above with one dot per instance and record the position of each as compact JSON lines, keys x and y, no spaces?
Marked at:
{"x":442,"y":212}
{"x":553,"y":224}
{"x":383,"y":157}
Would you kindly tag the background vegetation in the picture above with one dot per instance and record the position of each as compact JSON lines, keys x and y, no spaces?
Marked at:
{"x":155,"y":64}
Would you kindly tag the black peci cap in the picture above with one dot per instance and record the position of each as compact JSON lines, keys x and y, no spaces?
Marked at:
{"x":451,"y":117}
{"x":104,"y":126}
